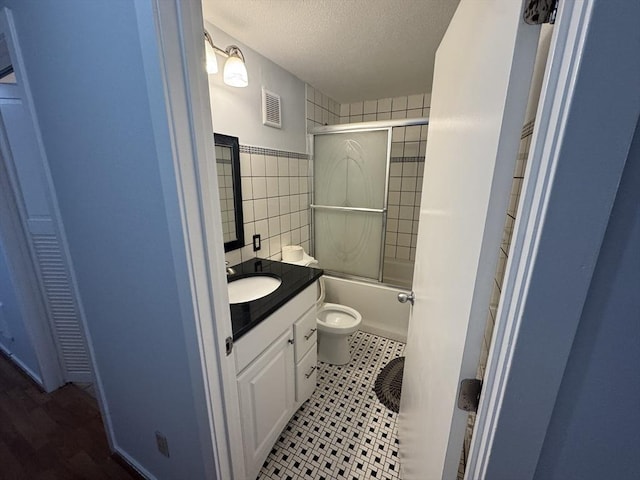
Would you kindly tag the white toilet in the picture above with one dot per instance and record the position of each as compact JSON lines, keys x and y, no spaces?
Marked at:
{"x":335,"y":324}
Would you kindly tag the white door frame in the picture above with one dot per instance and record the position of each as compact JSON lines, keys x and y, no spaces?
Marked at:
{"x":172,"y":31}
{"x":541,"y":232}
{"x":569,"y":189}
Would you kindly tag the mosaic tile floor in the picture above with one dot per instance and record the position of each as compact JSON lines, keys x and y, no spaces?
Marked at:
{"x":342,"y":431}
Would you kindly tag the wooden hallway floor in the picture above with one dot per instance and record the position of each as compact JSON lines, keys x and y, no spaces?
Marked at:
{"x":51,"y":436}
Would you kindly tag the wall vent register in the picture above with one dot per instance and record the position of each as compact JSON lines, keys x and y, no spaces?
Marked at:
{"x":271,"y":109}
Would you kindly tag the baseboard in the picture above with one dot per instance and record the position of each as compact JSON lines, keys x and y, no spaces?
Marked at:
{"x":130,"y":465}
{"x":80,"y":377}
{"x":22,"y":366}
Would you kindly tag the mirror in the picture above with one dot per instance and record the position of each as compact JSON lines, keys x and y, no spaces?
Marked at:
{"x":7,"y":75}
{"x":228,"y":169}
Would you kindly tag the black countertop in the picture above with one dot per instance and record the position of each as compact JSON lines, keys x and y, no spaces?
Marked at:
{"x":245,"y":316}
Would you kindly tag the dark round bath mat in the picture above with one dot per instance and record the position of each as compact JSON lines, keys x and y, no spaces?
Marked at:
{"x":389,"y":384}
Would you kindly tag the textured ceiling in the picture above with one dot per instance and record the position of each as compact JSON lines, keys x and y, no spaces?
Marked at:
{"x":349,"y":49}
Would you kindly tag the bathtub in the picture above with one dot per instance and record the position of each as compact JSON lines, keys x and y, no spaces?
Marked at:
{"x":381,"y":312}
{"x":398,"y":272}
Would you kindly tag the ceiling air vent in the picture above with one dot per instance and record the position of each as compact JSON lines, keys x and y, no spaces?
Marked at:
{"x":271,"y":109}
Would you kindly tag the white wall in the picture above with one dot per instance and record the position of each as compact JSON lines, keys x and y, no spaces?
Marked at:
{"x":238,"y":111}
{"x":14,"y":339}
{"x":85,"y":66}
{"x":594,"y":432}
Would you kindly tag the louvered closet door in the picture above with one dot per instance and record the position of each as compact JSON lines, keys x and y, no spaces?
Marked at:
{"x":61,"y":304}
{"x":21,"y":149}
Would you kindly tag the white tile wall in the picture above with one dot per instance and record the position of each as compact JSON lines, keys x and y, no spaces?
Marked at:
{"x":321,"y":109}
{"x":405,"y":190}
{"x":408,"y":148}
{"x":411,"y":106}
{"x":275,"y":202}
{"x":516,"y":187}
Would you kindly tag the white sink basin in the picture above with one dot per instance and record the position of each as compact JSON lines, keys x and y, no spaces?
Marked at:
{"x":251,"y":288}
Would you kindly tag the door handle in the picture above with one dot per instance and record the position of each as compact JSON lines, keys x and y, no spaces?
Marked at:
{"x":311,"y":332}
{"x":406,"y":297}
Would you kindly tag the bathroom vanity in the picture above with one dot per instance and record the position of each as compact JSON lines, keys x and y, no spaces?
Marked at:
{"x":275,"y":352}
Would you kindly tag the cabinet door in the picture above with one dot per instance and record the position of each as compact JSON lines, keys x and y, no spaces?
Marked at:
{"x":266,"y":391}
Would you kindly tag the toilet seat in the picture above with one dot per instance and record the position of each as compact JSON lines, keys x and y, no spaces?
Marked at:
{"x":338,"y":319}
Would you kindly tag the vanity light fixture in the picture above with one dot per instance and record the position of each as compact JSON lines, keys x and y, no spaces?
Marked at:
{"x":212,"y":63}
{"x":235,"y":70}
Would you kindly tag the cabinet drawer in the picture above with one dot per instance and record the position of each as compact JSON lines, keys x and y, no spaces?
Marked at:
{"x":267,"y":331}
{"x":306,"y":372}
{"x":305,"y":333}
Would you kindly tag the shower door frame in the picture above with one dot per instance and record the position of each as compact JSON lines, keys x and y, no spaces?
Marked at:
{"x":382,"y":210}
{"x":353,"y":128}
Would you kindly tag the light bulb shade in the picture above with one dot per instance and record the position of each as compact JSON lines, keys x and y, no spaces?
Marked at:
{"x":235,"y":71}
{"x":212,"y":63}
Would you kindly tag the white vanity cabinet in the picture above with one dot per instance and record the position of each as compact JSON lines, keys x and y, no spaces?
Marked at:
{"x":276,"y":364}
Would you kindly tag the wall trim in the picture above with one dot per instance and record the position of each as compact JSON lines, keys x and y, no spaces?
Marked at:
{"x":271,"y":152}
{"x":13,"y":358}
{"x":128,"y":463}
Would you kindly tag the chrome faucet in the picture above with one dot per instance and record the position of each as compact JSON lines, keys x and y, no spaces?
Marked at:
{"x":230,"y":271}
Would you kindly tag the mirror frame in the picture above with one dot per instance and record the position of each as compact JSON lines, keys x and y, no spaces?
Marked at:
{"x":232,"y":142}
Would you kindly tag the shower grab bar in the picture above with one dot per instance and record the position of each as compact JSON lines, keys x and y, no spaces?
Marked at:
{"x":348,"y":209}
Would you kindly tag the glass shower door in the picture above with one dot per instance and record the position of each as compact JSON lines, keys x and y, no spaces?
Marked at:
{"x":350,"y":198}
